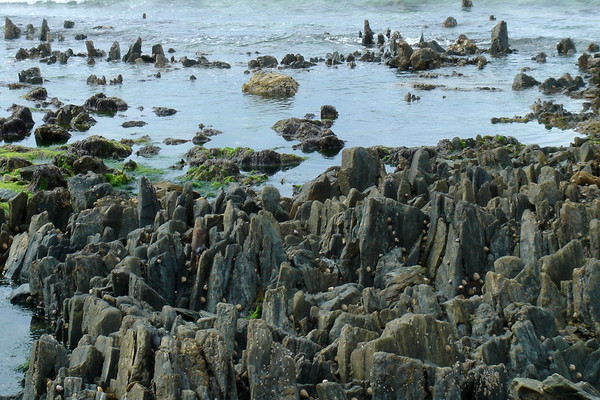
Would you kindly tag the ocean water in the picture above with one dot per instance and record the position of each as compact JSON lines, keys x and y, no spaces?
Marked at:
{"x":369,"y":98}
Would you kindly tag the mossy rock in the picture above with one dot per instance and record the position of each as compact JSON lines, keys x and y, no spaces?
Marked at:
{"x":99,"y":146}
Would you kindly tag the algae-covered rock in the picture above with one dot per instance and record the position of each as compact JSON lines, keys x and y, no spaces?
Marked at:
{"x":271,"y":84}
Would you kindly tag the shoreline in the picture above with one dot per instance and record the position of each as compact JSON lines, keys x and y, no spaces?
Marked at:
{"x":470,"y":270}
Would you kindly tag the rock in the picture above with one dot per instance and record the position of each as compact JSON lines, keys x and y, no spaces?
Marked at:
{"x":314,"y":135}
{"x":49,"y":134}
{"x":424,"y":59}
{"x":11,"y":31}
{"x":47,"y":357}
{"x":328,"y":112}
{"x":98,"y":146}
{"x":148,"y":204}
{"x":133,"y":124}
{"x":450,"y":22}
{"x":39,"y":93}
{"x":85,"y":362}
{"x":553,"y":387}
{"x":523,"y":81}
{"x":68,"y":24}
{"x":271,"y":369}
{"x":114,"y":54}
{"x":45,"y":32}
{"x":331,"y":391}
{"x":148,"y":150}
{"x":361,"y":168}
{"x":271,"y":84}
{"x":499,"y":40}
{"x":105,"y":105}
{"x":46,"y":177}
{"x":136,"y":360}
{"x":164,"y":111}
{"x":367,"y":39}
{"x":566,"y":47}
{"x":508,"y":266}
{"x":32,"y":75}
{"x":402,"y":376}
{"x":18,"y":125}
{"x":134,"y":52}
{"x":20,"y":294}
{"x":467,"y":3}
{"x":586,"y":294}
{"x":560,"y":265}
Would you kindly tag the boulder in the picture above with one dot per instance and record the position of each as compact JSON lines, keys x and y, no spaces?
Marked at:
{"x":134,"y":52}
{"x":46,"y":177}
{"x":98,"y":146}
{"x":32,"y":75}
{"x":523,"y":81}
{"x":49,"y":134}
{"x":361,"y":168}
{"x":424,"y":59}
{"x":271,"y":84}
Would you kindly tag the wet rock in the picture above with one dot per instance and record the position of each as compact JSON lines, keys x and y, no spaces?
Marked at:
{"x":18,"y":125}
{"x":32,"y":75}
{"x":11,"y":31}
{"x":105,"y":105}
{"x":148,"y":150}
{"x":85,"y":362}
{"x":20,"y":294}
{"x":134,"y":52}
{"x":45,"y":32}
{"x":68,"y":24}
{"x":47,"y":177}
{"x":314,"y":135}
{"x":98,"y":146}
{"x":39,"y":93}
{"x":49,"y":134}
{"x":114,"y":54}
{"x":271,"y":84}
{"x":523,"y":81}
{"x":367,"y":38}
{"x":424,"y":59}
{"x":499,"y":44}
{"x":164,"y":111}
{"x":328,"y":112}
{"x":450,"y":22}
{"x":467,"y":3}
{"x":263,"y":62}
{"x":566,"y":47}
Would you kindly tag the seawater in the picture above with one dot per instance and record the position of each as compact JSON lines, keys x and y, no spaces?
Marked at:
{"x":369,"y":98}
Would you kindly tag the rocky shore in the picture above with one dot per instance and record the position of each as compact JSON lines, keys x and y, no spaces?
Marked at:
{"x":470,"y":271}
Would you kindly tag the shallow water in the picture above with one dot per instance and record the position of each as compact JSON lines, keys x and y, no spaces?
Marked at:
{"x":369,"y":98}
{"x":18,"y":330}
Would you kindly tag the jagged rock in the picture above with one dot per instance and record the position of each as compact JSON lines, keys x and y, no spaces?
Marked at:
{"x":499,"y":40}
{"x":134,"y":52}
{"x":560,"y":265}
{"x":271,"y":84}
{"x":148,"y":204}
{"x":586,"y":294}
{"x":523,"y":81}
{"x":424,"y":59}
{"x":450,"y":22}
{"x":11,"y":31}
{"x":271,"y":370}
{"x":402,"y":376}
{"x":114,"y":54}
{"x":367,"y":39}
{"x":361,"y":168}
{"x":47,"y":356}
{"x":553,"y":387}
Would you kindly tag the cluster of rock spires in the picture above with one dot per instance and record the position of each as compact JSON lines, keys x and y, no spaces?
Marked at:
{"x":471,"y":271}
